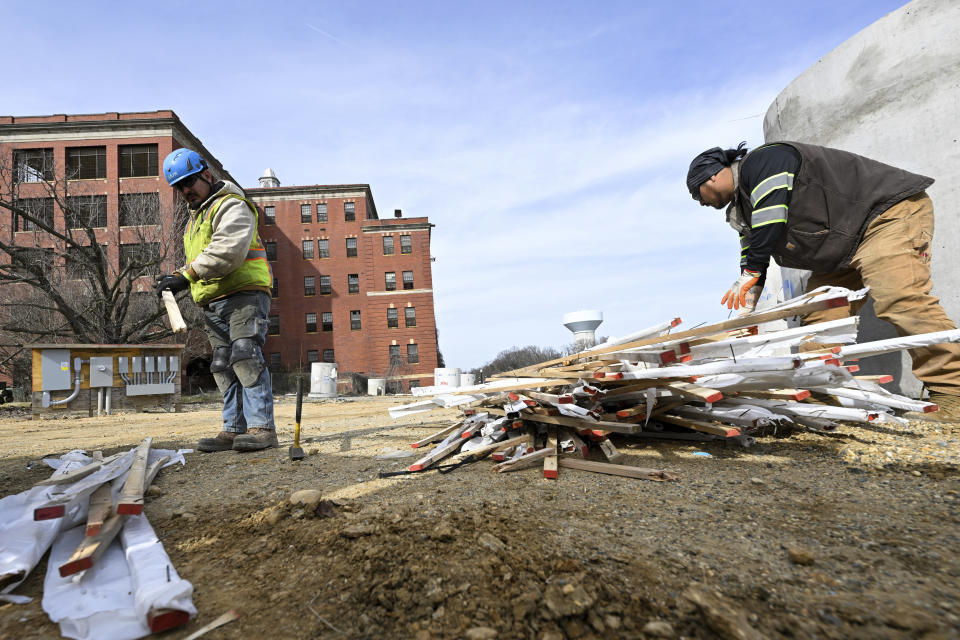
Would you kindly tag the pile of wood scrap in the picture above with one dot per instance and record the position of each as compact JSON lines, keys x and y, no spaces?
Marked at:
{"x":107,"y":573}
{"x":729,"y":381}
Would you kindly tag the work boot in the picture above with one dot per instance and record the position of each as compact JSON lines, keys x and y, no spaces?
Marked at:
{"x":223,"y":442}
{"x":255,"y":439}
{"x":949,"y":409}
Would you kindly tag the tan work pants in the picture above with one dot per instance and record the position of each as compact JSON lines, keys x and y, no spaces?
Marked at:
{"x":893,"y":259}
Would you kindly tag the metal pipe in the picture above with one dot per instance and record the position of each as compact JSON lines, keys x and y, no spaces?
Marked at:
{"x":108,"y":392}
{"x":47,"y":402}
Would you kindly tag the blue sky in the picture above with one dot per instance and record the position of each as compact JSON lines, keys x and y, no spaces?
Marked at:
{"x":547,"y":141}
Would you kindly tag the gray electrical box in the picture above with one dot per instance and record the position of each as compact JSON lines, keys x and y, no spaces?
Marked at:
{"x":55,"y":369}
{"x":101,"y":372}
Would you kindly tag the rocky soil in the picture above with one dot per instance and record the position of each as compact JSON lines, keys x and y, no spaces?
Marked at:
{"x":851,"y":535}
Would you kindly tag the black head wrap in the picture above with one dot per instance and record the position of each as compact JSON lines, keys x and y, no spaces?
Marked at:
{"x":709,"y":163}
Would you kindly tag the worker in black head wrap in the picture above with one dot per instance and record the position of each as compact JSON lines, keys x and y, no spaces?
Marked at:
{"x":852,"y":222}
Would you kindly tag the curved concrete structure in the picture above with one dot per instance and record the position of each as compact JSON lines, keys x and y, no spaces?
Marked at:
{"x":891,"y":92}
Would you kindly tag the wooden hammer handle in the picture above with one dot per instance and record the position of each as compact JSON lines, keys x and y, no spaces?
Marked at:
{"x":173,"y":312}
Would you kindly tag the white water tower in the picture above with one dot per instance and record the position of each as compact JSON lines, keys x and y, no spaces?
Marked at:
{"x":584,"y":326}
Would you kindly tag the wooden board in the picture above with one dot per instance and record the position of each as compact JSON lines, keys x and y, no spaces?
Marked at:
{"x":700,"y":425}
{"x":438,"y":436}
{"x":78,"y":473}
{"x":443,"y":450}
{"x":657,"y":475}
{"x":173,"y":312}
{"x":523,"y":461}
{"x":130,"y":501}
{"x":91,"y":548}
{"x":694,"y":392}
{"x":550,"y":469}
{"x":101,"y":505}
{"x":610,"y":452}
{"x":577,"y":423}
{"x":720,"y":327}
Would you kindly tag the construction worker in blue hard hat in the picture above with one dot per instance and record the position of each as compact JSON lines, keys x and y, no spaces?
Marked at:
{"x":229,"y":277}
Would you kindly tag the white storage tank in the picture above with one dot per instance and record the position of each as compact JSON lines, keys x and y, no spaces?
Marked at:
{"x":323,"y":380}
{"x":446,"y":377}
{"x":467,"y":379}
{"x":376,"y":386}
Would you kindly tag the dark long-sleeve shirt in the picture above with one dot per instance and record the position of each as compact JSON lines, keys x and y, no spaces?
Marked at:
{"x":767,"y":175}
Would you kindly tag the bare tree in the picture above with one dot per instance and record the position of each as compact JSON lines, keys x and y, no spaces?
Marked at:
{"x":70,"y":277}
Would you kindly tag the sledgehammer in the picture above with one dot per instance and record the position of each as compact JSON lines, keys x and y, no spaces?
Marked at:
{"x":296,"y":453}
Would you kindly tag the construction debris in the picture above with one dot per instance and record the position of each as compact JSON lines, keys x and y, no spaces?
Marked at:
{"x":728,"y":381}
{"x":108,"y":574}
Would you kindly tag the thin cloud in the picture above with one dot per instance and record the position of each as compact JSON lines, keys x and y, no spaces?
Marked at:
{"x":331,"y":36}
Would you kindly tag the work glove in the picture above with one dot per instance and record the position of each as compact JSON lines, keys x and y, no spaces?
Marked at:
{"x":744,"y":292}
{"x":174,"y":282}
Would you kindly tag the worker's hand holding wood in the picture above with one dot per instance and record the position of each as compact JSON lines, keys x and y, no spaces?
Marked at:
{"x":746,"y":285}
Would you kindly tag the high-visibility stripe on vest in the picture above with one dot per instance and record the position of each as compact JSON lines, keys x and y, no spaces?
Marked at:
{"x":768,"y":215}
{"x":779,"y":181}
{"x":254,"y":272}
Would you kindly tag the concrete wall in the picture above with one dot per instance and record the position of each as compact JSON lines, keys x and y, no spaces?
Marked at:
{"x":892,"y":92}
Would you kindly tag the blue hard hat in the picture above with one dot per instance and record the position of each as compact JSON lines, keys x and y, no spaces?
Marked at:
{"x":182,"y":163}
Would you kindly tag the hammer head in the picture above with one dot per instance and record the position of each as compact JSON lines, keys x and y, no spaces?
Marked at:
{"x":296,"y":453}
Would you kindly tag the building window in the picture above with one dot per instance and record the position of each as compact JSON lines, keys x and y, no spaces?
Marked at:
{"x":32,"y":260}
{"x":325,"y":288}
{"x":390,"y":280}
{"x":410,"y":316}
{"x":414,"y":384}
{"x":271,"y":249}
{"x":140,"y":257}
{"x":355,"y":321}
{"x":33,"y":165}
{"x":351,"y":247}
{"x":393,"y":318}
{"x":86,"y":212}
{"x":269,"y":215}
{"x":274,"y":288}
{"x":137,"y":160}
{"x":328,"y":355}
{"x":39,"y":208}
{"x":408,"y":279}
{"x":349,"y":211}
{"x":86,"y":163}
{"x":311,"y":322}
{"x":395,"y":354}
{"x":326,"y":321}
{"x":313,"y":355}
{"x":305,"y":214}
{"x":309,"y":289}
{"x":274,"y":329}
{"x":388,"y":245}
{"x":138,"y":209}
{"x":322,"y":212}
{"x":323,"y":248}
{"x":413,"y":354}
{"x":308,"y":249}
{"x":275,"y":362}
{"x":80,"y":261}
{"x":406,"y":244}
{"x":353,"y":283}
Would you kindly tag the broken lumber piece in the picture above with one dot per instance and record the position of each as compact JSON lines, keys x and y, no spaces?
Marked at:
{"x":438,"y":436}
{"x":694,"y":392}
{"x":657,"y":475}
{"x":523,"y":461}
{"x":101,"y":505}
{"x":177,"y":324}
{"x":445,"y":448}
{"x":78,"y":473}
{"x":700,"y":425}
{"x":550,"y":462}
{"x":92,"y":547}
{"x":576,"y":423}
{"x":130,"y":501}
{"x":612,"y":454}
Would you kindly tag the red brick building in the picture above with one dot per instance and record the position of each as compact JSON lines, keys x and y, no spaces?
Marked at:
{"x":362,"y":321}
{"x":349,"y":288}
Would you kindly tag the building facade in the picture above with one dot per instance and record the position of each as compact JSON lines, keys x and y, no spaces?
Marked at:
{"x":349,"y":287}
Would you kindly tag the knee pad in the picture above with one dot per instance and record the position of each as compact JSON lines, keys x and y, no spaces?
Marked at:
{"x":246,"y":360}
{"x":221,"y":359}
{"x":224,"y":379}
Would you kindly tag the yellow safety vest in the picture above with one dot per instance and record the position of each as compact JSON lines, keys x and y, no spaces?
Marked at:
{"x":254,"y":272}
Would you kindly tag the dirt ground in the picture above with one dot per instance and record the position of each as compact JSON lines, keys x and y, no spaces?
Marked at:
{"x":853,"y":535}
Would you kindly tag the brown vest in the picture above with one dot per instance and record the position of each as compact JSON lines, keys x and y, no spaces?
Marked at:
{"x":835,"y":196}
